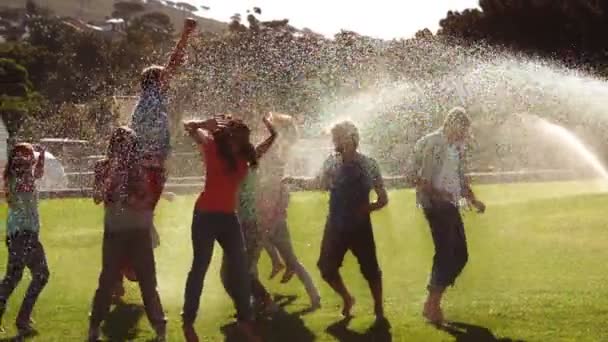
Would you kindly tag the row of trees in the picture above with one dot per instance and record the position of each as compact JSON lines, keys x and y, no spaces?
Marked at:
{"x":65,"y":66}
{"x":256,"y":66}
{"x":571,"y":31}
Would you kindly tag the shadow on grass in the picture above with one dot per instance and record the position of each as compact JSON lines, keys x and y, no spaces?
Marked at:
{"x":464,"y":332}
{"x":281,"y":326}
{"x":18,"y":338}
{"x":121,"y":323}
{"x":380,"y":331}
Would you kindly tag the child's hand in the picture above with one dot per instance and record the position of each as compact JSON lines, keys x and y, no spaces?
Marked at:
{"x":479,"y":205}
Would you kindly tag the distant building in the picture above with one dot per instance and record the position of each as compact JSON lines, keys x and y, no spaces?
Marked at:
{"x":112,"y":28}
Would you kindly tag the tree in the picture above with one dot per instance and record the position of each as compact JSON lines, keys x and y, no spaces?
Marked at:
{"x":17,"y":99}
{"x":156,"y":25}
{"x":564,"y":29}
{"x":127,"y":9}
{"x":186,"y":7}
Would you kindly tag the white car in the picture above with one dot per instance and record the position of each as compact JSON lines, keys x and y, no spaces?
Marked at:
{"x":54,"y":174}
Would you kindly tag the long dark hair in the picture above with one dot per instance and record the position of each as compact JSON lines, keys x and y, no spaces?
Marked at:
{"x":235,"y":131}
{"x":9,"y":169}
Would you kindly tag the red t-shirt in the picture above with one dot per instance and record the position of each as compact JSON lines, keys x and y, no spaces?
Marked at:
{"x":221,"y":183}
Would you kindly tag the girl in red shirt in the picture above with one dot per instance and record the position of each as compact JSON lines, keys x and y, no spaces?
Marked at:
{"x":228,"y":154}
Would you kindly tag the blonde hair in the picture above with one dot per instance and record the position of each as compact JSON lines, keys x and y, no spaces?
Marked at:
{"x":286,"y":126}
{"x":346,"y":129}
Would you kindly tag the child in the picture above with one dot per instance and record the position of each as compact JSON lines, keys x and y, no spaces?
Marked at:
{"x":150,"y":120}
{"x":350,"y":176}
{"x":273,"y":200}
{"x":246,"y":212}
{"x":438,"y":174}
{"x":228,"y":155}
{"x":22,"y":231}
{"x":123,"y":187}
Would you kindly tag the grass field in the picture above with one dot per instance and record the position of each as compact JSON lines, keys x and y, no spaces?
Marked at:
{"x":535,"y":272}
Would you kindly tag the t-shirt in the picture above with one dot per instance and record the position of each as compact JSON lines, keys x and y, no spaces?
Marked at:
{"x":349,"y":185}
{"x":448,"y":178}
{"x":151,"y":124}
{"x":23,"y":207}
{"x":221,"y":183}
{"x":127,"y":207}
{"x":247,"y":204}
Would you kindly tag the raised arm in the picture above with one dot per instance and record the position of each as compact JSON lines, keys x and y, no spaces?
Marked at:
{"x":39,"y":169}
{"x":265,"y":145}
{"x":200,"y":130}
{"x":177,"y":56}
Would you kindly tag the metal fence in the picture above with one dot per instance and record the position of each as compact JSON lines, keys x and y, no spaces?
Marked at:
{"x":192,"y":185}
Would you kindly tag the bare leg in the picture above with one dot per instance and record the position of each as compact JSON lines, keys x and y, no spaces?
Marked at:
{"x":432,"y":307}
{"x":337,"y":284}
{"x":275,"y":259}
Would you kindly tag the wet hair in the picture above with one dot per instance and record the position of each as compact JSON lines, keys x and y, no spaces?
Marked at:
{"x":151,"y":77}
{"x":346,"y":129}
{"x":122,"y":148}
{"x":457,"y":118}
{"x":9,"y":169}
{"x":125,"y":137}
{"x":235,"y":132}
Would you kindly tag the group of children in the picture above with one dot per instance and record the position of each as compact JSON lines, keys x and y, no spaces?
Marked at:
{"x":243,"y":207}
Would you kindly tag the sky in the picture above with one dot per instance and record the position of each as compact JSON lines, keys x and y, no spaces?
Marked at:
{"x":385,"y":19}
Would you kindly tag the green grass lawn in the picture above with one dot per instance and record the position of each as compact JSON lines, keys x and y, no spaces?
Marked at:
{"x":535,"y":271}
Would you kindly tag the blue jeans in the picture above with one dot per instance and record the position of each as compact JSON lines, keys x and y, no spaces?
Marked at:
{"x":136,"y":245}
{"x":225,"y":228}
{"x":24,"y":250}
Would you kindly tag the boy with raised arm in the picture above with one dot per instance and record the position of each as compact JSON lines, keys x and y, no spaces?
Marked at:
{"x":150,"y":119}
{"x":349,"y":176}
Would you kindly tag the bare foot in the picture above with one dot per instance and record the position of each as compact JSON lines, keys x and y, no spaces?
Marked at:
{"x":275,"y":270}
{"x":189,"y":333}
{"x":349,"y":302}
{"x":433,"y":314}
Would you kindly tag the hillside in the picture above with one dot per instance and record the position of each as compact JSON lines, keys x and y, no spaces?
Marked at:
{"x":96,"y":10}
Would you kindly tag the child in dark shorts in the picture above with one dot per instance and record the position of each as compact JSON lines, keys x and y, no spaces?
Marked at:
{"x":350,"y":176}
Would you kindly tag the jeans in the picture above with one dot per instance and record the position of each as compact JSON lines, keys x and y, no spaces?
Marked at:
{"x":24,"y":250}
{"x":280,"y":238}
{"x":225,"y":228}
{"x":450,"y":242}
{"x":254,"y":248}
{"x":136,"y":245}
